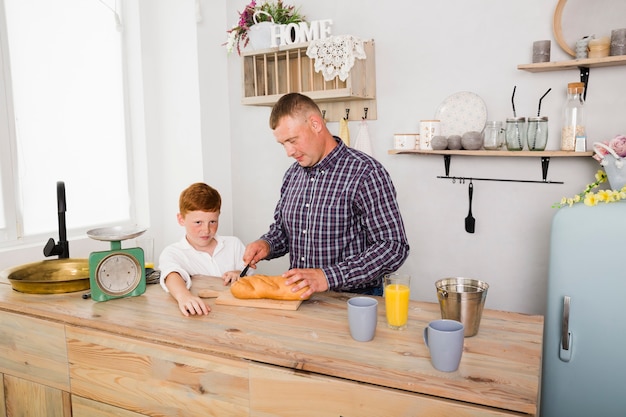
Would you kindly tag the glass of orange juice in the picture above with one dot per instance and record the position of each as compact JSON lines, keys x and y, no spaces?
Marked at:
{"x":397,"y":290}
{"x":147,"y":244}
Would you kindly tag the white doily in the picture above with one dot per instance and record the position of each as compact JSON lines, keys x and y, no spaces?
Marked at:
{"x":335,"y":55}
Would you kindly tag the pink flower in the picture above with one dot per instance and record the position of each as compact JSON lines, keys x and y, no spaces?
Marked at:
{"x":618,"y":144}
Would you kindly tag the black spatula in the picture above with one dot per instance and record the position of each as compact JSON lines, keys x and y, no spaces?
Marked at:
{"x":470,"y":221}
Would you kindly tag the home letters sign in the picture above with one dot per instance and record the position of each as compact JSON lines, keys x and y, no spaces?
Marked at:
{"x":294,"y":33}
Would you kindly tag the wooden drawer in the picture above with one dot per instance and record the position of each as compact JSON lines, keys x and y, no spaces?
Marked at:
{"x":3,"y":411}
{"x":28,"y":399}
{"x":153,"y":379}
{"x":278,"y":392}
{"x":34,"y":349}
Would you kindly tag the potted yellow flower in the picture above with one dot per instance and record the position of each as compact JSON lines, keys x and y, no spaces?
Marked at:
{"x":254,"y":16}
{"x":610,"y":154}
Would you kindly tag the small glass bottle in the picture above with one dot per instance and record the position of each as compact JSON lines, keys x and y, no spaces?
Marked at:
{"x":494,"y":136}
{"x":573,"y":135}
{"x":515,"y":133}
{"x":537,"y":133}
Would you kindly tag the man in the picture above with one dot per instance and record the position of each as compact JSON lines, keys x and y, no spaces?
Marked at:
{"x":337,"y":215}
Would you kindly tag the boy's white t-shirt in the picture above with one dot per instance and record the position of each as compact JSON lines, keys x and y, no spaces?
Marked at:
{"x":181,"y":257}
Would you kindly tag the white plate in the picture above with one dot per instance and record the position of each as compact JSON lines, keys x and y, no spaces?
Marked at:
{"x":116,"y":233}
{"x":462,"y":112}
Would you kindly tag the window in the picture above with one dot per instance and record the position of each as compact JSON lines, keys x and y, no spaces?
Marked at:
{"x":61,"y":81}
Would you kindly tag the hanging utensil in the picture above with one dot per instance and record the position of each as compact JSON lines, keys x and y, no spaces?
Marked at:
{"x":470,"y":221}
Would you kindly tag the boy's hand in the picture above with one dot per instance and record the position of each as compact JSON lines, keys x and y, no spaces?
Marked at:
{"x":191,"y":305}
{"x":230,"y":277}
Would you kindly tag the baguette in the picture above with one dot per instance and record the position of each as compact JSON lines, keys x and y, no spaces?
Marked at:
{"x":264,"y":286}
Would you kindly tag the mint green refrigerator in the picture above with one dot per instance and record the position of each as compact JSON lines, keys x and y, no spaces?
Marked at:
{"x":584,"y":345}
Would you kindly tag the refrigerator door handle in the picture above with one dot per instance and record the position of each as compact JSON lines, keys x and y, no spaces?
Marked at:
{"x":565,"y":351}
{"x":565,"y":323}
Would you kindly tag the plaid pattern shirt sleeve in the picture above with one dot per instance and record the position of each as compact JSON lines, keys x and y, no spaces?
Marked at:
{"x":341,"y":216}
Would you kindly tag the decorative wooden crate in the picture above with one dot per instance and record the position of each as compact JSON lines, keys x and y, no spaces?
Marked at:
{"x":269,"y":74}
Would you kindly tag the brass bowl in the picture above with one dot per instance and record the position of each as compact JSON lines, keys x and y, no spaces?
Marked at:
{"x":54,"y":276}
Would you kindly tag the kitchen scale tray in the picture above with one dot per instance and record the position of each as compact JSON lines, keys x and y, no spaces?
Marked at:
{"x":116,"y":233}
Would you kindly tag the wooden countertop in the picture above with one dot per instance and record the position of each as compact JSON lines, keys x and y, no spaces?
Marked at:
{"x":501,"y":366}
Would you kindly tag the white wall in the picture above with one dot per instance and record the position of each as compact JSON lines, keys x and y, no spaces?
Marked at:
{"x":172,"y":109}
{"x":187,"y":120}
{"x":215,"y":96}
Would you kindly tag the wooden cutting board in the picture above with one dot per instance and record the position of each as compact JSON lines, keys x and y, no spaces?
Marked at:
{"x":226,"y":298}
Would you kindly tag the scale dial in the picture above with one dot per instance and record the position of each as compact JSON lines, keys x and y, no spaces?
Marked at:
{"x":118,"y":274}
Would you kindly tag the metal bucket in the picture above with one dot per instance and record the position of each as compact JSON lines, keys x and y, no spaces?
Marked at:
{"x":462,"y":299}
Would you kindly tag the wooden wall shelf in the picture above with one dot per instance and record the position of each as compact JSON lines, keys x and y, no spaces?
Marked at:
{"x":270,"y":73}
{"x":582,"y":65}
{"x":494,"y":153}
{"x":609,"y":61}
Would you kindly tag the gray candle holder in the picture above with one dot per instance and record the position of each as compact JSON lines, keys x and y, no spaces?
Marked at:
{"x":618,"y":42}
{"x":541,"y":51}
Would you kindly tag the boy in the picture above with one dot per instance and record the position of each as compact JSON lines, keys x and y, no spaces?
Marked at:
{"x":201,"y":251}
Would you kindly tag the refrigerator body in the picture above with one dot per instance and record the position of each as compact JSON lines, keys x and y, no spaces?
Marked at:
{"x":584,"y":346}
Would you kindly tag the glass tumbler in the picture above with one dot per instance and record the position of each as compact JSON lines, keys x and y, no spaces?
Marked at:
{"x":494,"y":136}
{"x":397,"y":291}
{"x":515,"y":133}
{"x":537,"y":133}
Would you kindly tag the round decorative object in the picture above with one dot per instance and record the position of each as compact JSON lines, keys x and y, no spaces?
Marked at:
{"x":454,"y":142}
{"x":472,"y":141}
{"x":439,"y":143}
{"x":461,"y":112}
{"x":558,"y":28}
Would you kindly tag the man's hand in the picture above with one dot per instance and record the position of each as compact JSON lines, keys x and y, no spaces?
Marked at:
{"x":315,"y":279}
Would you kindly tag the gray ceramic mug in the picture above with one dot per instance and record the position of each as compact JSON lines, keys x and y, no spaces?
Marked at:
{"x":362,"y":317}
{"x":444,"y":338}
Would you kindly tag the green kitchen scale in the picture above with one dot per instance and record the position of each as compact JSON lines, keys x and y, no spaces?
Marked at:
{"x":116,"y":273}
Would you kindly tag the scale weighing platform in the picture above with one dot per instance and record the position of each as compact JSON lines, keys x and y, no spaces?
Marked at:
{"x":116,"y":273}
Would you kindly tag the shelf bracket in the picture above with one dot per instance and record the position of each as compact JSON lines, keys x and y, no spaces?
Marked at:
{"x":545,"y":163}
{"x":446,"y":163}
{"x":584,"y":78}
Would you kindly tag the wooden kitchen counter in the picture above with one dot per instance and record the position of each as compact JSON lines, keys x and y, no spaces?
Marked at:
{"x":271,"y":351}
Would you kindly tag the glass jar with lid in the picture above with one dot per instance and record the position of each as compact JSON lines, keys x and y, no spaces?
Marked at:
{"x":537,"y":134}
{"x":515,"y":133}
{"x":573,"y":134}
{"x":494,"y":136}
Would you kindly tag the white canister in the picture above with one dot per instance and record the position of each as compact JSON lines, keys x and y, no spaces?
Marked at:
{"x":406,"y":141}
{"x":428,"y":130}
